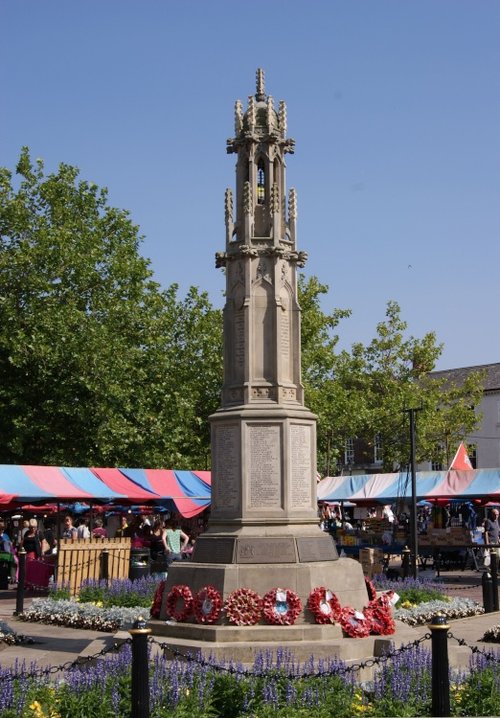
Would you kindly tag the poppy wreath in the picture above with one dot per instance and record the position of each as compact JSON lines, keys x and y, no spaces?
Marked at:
{"x":281,"y":606}
{"x":179,"y":603}
{"x":354,"y":623}
{"x":156,"y":606}
{"x":207,"y":605}
{"x":243,"y":607}
{"x":370,"y":588}
{"x":379,"y":614}
{"x":324,"y":605}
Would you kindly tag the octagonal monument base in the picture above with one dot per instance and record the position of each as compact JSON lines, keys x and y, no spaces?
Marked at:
{"x":344,"y":577}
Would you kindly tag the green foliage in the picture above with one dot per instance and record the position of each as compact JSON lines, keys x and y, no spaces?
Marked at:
{"x":59,"y":592}
{"x":366,"y":392}
{"x":97,"y":365}
{"x":479,"y":695}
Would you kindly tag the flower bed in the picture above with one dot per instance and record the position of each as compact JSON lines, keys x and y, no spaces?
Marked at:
{"x":83,"y":615}
{"x":275,"y":687}
{"x":423,"y":613}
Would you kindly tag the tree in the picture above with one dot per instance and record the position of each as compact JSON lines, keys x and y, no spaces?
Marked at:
{"x":97,"y":365}
{"x":364,"y":393}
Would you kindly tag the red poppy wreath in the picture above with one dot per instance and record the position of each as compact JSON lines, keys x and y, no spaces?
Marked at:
{"x":324,"y":605}
{"x":379,"y":614}
{"x":243,"y":607}
{"x":281,"y":606}
{"x":179,"y":603}
{"x":156,"y":606}
{"x":354,"y":623}
{"x":370,"y":588}
{"x":207,"y":605}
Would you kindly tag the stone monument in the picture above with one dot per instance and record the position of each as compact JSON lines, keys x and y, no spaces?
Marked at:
{"x":263,"y":531}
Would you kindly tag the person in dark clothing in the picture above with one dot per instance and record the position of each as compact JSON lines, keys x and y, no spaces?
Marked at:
{"x":492,"y":529}
{"x":31,"y":543}
{"x":157,"y":543}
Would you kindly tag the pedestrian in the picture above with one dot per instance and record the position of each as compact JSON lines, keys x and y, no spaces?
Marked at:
{"x":31,"y":542}
{"x":82,"y":529}
{"x":124,"y":530}
{"x":99,"y":531}
{"x":69,"y":531}
{"x":492,"y":529}
{"x":173,"y":537}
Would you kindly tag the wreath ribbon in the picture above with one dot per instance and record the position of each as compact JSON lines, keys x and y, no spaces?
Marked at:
{"x":281,"y":606}
{"x":324,"y":605}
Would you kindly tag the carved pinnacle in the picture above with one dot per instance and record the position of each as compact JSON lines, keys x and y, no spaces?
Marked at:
{"x":238,"y":117}
{"x":251,"y":112}
{"x":228,"y":206}
{"x":283,"y":118}
{"x":292,"y":204}
{"x":260,"y":93}
{"x":270,"y":113}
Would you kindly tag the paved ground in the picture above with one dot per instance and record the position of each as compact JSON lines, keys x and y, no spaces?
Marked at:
{"x":54,"y":645}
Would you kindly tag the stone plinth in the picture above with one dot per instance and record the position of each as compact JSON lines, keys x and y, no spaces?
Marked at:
{"x":343,"y":577}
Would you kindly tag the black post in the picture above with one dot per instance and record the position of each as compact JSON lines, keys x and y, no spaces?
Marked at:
{"x":494,"y":577}
{"x":487,"y":585}
{"x":21,"y":580}
{"x":414,"y":531}
{"x":105,"y":565}
{"x":405,"y":561}
{"x":440,"y":666}
{"x":140,"y":669}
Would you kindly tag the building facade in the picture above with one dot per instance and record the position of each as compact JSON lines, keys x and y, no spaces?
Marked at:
{"x":362,"y":456}
{"x":484,"y":444}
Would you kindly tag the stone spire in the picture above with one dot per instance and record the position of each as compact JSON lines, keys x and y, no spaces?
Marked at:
{"x":263,"y":530}
{"x":260,"y":92}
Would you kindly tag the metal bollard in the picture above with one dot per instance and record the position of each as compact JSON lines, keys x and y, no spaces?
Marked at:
{"x":105,"y":565}
{"x":494,"y":577}
{"x":440,"y":666}
{"x":140,"y":669}
{"x":21,"y":580}
{"x":405,"y":561}
{"x":487,"y":585}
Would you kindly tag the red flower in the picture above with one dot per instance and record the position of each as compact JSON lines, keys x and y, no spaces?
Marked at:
{"x":354,"y":623}
{"x":379,"y":614}
{"x":179,"y":603}
{"x":324,"y":605}
{"x":207,"y":605}
{"x":281,"y":606}
{"x":243,"y":607}
{"x":156,"y":606}
{"x":370,"y":587}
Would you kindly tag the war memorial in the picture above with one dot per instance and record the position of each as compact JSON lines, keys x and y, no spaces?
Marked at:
{"x":263,"y":531}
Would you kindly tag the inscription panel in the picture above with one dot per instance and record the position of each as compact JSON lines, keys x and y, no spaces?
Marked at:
{"x":239,"y":339}
{"x":301,"y":469}
{"x":312,"y":549}
{"x":216,"y":550}
{"x":285,"y":337}
{"x":264,"y":459}
{"x":226,"y":486}
{"x":265,"y":550}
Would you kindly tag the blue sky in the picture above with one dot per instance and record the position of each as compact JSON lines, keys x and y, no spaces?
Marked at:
{"x":394,"y":106}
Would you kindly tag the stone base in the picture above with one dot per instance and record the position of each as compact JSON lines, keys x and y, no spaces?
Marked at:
{"x":243,"y":644}
{"x":344,"y":577}
{"x":304,"y":639}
